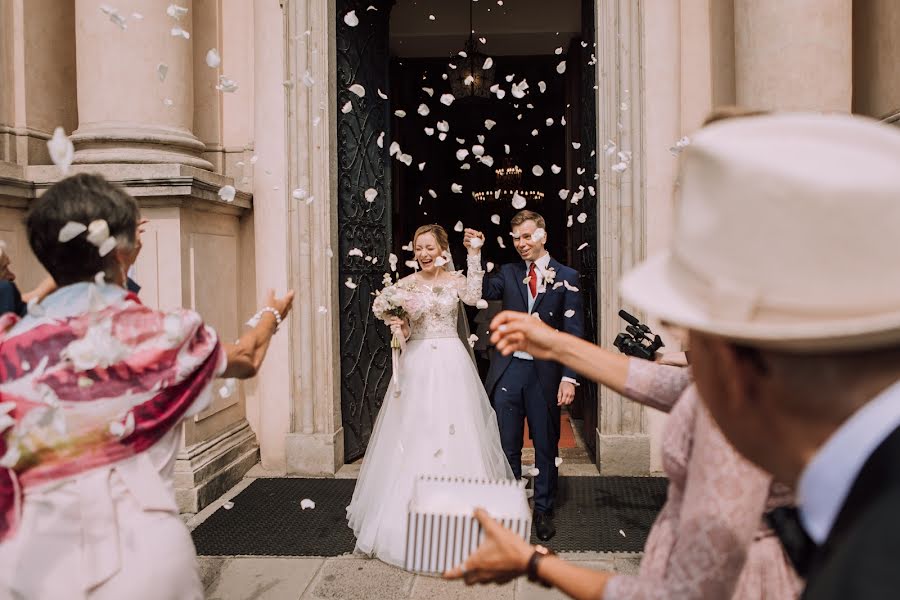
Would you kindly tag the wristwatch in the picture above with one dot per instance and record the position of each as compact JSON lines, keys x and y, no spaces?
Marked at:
{"x":532,"y":570}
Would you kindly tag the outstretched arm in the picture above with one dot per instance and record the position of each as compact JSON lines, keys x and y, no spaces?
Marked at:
{"x":246,"y":355}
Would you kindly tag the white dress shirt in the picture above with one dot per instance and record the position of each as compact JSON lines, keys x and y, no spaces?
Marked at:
{"x":827,"y":479}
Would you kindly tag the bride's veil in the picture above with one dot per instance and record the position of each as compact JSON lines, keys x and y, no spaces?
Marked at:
{"x":462,"y":319}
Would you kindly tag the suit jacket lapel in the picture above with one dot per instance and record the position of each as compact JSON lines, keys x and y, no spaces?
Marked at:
{"x":522,"y":273}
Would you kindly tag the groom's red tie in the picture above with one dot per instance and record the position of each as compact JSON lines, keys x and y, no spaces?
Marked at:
{"x":532,"y":281}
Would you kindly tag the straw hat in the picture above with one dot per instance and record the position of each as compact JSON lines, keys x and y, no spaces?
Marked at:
{"x":787,"y":235}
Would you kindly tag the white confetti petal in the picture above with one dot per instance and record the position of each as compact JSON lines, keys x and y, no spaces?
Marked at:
{"x":569,"y":313}
{"x":619,"y":166}
{"x":107,"y":246}
{"x":428,"y":91}
{"x":394,"y":149}
{"x":228,"y":505}
{"x":380,"y":140}
{"x":349,"y":283}
{"x":539,"y":234}
{"x":458,"y":226}
{"x":481,"y":304}
{"x":506,"y":148}
{"x":461,"y":154}
{"x":429,"y":131}
{"x":431,"y":17}
{"x":400,"y":113}
{"x":424,"y":110}
{"x":487,"y":161}
{"x":456,"y":188}
{"x":488,"y":63}
{"x":433,"y":194}
{"x":213,"y":59}
{"x":489,"y":266}
{"x":542,"y":86}
{"x":622,"y":533}
{"x":489,"y":124}
{"x":371,"y":194}
{"x":561,"y":67}
{"x":355,"y":252}
{"x":478,"y":150}
{"x":98,"y":232}
{"x":534,"y":132}
{"x":538,"y":170}
{"x":518,"y":201}
{"x":61,"y":150}
{"x":307,"y":503}
{"x":300,"y":194}
{"x":576,"y":145}
{"x":556,"y":169}
{"x":558,"y":461}
{"x":447,"y":99}
{"x":351,"y":19}
{"x":358,"y":90}
{"x":421,"y":166}
{"x":443,"y":126}
{"x":405,"y":158}
{"x":382,"y":95}
{"x":178,"y":31}
{"x":70,"y":231}
{"x":176,"y":12}
{"x":226,"y":84}
{"x":495,"y":219}
{"x":227,"y":193}
{"x":582,"y":217}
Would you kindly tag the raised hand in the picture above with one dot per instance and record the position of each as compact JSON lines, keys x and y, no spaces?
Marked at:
{"x":516,"y":331}
{"x":283,"y":305}
{"x":473,"y":234}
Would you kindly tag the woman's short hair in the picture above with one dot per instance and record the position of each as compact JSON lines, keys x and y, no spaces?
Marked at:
{"x":527,"y":215}
{"x":81,"y":199}
{"x":439,"y":233}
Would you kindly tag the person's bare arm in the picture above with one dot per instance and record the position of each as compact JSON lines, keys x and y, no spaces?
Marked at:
{"x":247,"y":354}
{"x":43,"y":289}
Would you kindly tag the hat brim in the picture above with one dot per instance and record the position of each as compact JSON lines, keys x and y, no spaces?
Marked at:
{"x":653,"y":287}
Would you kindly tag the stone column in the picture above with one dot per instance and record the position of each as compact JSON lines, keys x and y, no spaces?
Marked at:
{"x":623,"y":446}
{"x":794,"y":55}
{"x":315,"y":442}
{"x":125,"y":113}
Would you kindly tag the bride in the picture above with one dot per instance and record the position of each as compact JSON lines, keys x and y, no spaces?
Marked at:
{"x":441,"y":422}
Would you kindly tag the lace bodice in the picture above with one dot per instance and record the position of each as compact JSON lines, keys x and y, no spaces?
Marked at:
{"x":432,"y":307}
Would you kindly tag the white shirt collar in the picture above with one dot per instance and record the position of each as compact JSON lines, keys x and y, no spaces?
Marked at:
{"x":540,"y":264}
{"x":827,"y":479}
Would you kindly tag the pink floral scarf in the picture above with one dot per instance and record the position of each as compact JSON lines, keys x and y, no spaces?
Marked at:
{"x":81,"y":392}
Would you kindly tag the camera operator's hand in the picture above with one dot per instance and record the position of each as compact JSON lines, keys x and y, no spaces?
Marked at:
{"x":517,"y":331}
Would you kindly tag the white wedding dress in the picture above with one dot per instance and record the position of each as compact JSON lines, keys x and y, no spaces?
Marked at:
{"x":441,"y":423}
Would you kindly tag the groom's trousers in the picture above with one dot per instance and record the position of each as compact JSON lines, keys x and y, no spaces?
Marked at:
{"x":518,"y":396}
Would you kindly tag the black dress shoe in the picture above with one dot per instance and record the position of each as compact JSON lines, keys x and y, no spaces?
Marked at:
{"x":544,"y":527}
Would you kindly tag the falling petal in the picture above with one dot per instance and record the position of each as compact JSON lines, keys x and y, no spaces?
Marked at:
{"x":429,"y":131}
{"x":495,"y":219}
{"x":433,"y":194}
{"x":488,"y":63}
{"x":349,"y":283}
{"x":456,"y":188}
{"x":582,"y":217}
{"x":549,"y":122}
{"x":228,"y":505}
{"x":178,"y":31}
{"x":400,"y":113}
{"x":619,"y":166}
{"x":431,"y":17}
{"x":518,"y":201}
{"x":226,"y":84}
{"x":213,"y":59}
{"x":176,"y":12}
{"x":227,"y":193}
{"x":351,"y":19}
{"x":534,"y":132}
{"x":561,"y":67}
{"x":582,"y":247}
{"x":481,"y":304}
{"x":539,"y":234}
{"x":405,"y":158}
{"x":622,"y":533}
{"x":461,"y":154}
{"x":70,"y":231}
{"x":576,"y":145}
{"x":428,"y":91}
{"x":421,"y":166}
{"x":542,"y":86}
{"x":538,"y":170}
{"x":558,"y":461}
{"x":447,"y":99}
{"x":380,"y":140}
{"x":371,"y":194}
{"x":382,"y":95}
{"x":355,"y":252}
{"x":443,"y":126}
{"x":347,"y":107}
{"x":459,"y":226}
{"x":61,"y":149}
{"x":487,"y":161}
{"x":478,"y":150}
{"x":358,"y":90}
{"x":556,"y":169}
{"x":98,"y":232}
{"x":424,"y":110}
{"x":307,"y":503}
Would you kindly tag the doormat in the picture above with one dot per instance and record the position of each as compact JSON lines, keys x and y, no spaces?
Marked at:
{"x":593,"y":514}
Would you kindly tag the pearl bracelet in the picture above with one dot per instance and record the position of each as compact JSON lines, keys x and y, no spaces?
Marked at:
{"x":254,"y":320}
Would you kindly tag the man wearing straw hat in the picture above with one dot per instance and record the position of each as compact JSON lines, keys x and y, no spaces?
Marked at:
{"x":782,"y":268}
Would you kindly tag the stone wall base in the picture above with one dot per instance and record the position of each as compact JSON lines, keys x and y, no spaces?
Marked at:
{"x":205,"y":471}
{"x":623,"y":454}
{"x":315,"y":454}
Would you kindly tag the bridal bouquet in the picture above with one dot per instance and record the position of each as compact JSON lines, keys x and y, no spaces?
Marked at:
{"x":389,"y":302}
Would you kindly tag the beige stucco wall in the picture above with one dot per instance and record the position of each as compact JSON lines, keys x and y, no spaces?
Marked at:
{"x":876,"y":57}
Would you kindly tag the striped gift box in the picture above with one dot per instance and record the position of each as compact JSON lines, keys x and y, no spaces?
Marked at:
{"x":441,"y":531}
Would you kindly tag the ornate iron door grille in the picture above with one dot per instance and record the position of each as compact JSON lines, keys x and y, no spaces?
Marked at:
{"x":362,"y":57}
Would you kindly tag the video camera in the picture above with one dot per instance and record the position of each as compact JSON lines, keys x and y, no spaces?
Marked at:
{"x":636,"y":341}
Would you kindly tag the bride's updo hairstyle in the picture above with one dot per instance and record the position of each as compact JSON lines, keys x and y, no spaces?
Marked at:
{"x":439,"y":233}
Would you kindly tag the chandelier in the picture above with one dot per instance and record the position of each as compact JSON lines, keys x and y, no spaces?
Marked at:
{"x":471,"y":74}
{"x":508,"y":183}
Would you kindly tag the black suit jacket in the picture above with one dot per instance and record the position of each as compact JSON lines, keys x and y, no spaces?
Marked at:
{"x":861,"y":557}
{"x":10,"y":299}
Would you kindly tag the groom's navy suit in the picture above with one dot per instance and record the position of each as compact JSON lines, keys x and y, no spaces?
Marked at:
{"x":521,"y":388}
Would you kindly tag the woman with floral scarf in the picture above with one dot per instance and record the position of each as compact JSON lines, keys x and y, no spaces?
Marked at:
{"x":93,"y":389}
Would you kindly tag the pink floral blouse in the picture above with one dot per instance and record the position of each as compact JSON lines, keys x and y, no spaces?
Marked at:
{"x":709,"y":540}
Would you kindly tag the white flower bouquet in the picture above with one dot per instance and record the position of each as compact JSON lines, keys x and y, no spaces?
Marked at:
{"x":389,"y":302}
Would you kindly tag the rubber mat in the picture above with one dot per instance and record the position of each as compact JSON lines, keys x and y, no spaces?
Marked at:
{"x":594,"y":514}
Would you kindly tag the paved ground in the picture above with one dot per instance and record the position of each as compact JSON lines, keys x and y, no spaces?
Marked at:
{"x":360,"y":578}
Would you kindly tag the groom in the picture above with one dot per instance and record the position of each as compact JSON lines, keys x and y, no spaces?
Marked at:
{"x":521,"y":387}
